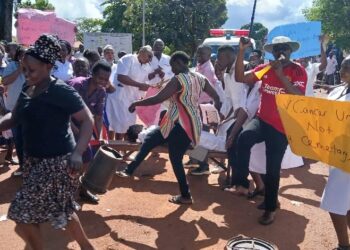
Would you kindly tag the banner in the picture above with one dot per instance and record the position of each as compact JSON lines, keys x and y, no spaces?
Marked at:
{"x":316,"y":128}
{"x":119,"y":41}
{"x":306,"y":33}
{"x":32,"y":23}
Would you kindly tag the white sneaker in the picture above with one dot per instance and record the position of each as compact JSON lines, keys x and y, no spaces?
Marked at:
{"x":217,"y":169}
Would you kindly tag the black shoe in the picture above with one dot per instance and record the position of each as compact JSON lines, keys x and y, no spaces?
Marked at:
{"x":200,"y":171}
{"x":191,"y":162}
{"x":87,"y":196}
{"x":267,"y":218}
{"x":256,"y":192}
{"x":261,"y":206}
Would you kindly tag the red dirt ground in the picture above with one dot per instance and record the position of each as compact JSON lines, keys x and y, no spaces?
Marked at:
{"x":135,"y":213}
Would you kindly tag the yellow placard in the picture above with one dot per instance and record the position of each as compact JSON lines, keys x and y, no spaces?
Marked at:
{"x":317,"y":129}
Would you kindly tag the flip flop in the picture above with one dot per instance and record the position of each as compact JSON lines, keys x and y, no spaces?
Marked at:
{"x":178,"y":199}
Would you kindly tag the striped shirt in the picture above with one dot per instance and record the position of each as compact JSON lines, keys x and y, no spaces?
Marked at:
{"x":184,"y":107}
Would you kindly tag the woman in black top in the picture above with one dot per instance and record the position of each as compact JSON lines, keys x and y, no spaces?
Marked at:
{"x":52,"y":157}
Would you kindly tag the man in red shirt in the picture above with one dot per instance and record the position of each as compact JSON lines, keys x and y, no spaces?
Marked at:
{"x":284,"y":77}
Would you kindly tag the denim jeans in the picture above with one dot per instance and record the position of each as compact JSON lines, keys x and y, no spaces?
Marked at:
{"x":178,"y":143}
{"x":276,"y":143}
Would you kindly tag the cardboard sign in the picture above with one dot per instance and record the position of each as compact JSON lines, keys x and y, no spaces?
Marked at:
{"x":119,"y":41}
{"x":316,"y":128}
{"x":306,"y":33}
{"x":33,"y":23}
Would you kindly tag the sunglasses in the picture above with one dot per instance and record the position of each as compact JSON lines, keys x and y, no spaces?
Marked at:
{"x":281,"y":47}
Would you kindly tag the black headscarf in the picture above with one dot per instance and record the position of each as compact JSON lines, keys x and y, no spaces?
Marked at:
{"x":45,"y":49}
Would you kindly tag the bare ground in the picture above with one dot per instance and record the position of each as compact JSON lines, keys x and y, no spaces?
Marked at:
{"x":135,"y":213}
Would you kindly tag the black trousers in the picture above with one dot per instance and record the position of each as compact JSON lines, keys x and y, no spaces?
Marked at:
{"x":276,"y":143}
{"x":178,"y":143}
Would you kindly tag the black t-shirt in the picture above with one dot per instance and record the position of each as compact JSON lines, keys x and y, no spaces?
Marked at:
{"x":45,"y":120}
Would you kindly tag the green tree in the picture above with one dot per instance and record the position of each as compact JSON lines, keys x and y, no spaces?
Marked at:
{"x":335,"y":18}
{"x":87,"y":25}
{"x":39,"y":5}
{"x":182,"y":24}
{"x":259,"y":33}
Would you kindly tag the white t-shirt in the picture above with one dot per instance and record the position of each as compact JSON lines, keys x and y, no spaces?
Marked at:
{"x":312,"y":70}
{"x":63,"y":71}
{"x":235,"y":93}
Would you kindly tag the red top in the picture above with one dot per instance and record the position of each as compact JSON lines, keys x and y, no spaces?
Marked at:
{"x":272,"y":86}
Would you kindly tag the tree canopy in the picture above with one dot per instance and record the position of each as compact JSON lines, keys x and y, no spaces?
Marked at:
{"x":335,"y":17}
{"x":181,"y":24}
{"x":87,"y":25}
{"x":38,"y":4}
{"x":259,"y":33}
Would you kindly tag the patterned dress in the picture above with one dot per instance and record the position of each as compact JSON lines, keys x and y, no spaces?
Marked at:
{"x":47,"y":192}
{"x":184,"y":107}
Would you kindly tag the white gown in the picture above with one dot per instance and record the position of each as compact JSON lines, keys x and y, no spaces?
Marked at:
{"x":257,"y":163}
{"x":336,"y":195}
{"x":119,"y":117}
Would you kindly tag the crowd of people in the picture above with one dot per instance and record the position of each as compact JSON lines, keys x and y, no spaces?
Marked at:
{"x":56,"y":103}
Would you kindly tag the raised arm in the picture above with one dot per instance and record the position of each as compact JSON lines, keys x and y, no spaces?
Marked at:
{"x":323,"y":64}
{"x":247,"y":78}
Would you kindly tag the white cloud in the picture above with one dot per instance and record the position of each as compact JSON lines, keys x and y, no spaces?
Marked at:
{"x":238,"y":2}
{"x":270,"y":13}
{"x":73,"y":9}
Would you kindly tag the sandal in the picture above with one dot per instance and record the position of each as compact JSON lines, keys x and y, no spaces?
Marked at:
{"x":256,"y":192}
{"x":179,"y":199}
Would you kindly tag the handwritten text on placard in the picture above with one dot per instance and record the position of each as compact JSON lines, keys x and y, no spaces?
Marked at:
{"x":316,"y":128}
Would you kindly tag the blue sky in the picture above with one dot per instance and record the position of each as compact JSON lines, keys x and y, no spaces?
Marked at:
{"x":269,"y":12}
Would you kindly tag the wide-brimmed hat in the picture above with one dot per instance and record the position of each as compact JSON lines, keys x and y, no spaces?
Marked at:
{"x":294,"y":45}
